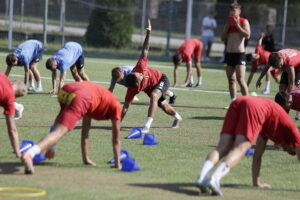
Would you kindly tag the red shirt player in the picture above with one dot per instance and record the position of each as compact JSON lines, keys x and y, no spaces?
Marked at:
{"x":261,"y":57}
{"x":288,"y":60}
{"x":249,"y":119}
{"x":153,"y":83}
{"x":8,"y":93}
{"x":78,"y":100}
{"x":189,"y":49}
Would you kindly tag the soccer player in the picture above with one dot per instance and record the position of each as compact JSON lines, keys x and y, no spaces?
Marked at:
{"x":70,"y":56}
{"x":261,"y":57}
{"x":289,"y":100}
{"x":8,"y":92}
{"x":247,"y":121}
{"x":236,"y":31}
{"x":189,"y":49}
{"x":27,"y":54}
{"x":119,"y":75}
{"x":78,"y":100}
{"x":153,"y":83}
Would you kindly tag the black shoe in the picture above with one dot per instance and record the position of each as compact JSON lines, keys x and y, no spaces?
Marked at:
{"x":172,"y":99}
{"x":189,"y":85}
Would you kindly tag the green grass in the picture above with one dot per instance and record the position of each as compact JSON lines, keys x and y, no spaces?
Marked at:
{"x":168,"y":169}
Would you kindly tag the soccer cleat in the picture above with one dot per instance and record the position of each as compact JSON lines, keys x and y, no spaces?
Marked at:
{"x":297,"y":117}
{"x":189,"y":85}
{"x":19,"y":111}
{"x":145,"y":130}
{"x":39,"y":89}
{"x":172,"y":99}
{"x":198,"y":86}
{"x":215,"y":187}
{"x":30,"y":88}
{"x":203,"y":185}
{"x":265,"y":91}
{"x":49,"y":154}
{"x":27,"y":161}
{"x":176,"y":123}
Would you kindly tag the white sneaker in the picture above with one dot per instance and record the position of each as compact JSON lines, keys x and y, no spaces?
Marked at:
{"x":203,"y":185}
{"x":265,"y":91}
{"x":297,"y":117}
{"x":39,"y":89}
{"x":215,"y":187}
{"x":30,"y":88}
{"x":19,"y":108}
{"x":176,"y":123}
{"x":145,"y":130}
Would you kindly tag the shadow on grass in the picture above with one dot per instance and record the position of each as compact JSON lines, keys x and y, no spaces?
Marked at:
{"x":10,"y":167}
{"x":183,"y":188}
{"x":268,"y":147}
{"x":208,"y":118}
{"x":250,"y":187}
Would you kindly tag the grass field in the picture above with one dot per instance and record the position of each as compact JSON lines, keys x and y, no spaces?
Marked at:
{"x":168,"y":170}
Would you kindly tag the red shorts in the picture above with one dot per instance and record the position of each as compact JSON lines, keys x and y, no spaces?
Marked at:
{"x":241,"y":119}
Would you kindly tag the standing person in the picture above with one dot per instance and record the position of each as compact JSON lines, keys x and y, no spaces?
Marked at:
{"x":207,"y":34}
{"x":153,"y":83}
{"x":8,"y":93}
{"x":268,"y":42}
{"x":248,"y":118}
{"x":236,"y":30}
{"x":189,"y":49}
{"x":70,"y":56}
{"x":27,"y":54}
{"x":261,"y":57}
{"x":78,"y":100}
{"x":119,"y":75}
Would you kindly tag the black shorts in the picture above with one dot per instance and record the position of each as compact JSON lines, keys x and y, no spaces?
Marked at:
{"x":163,"y":85}
{"x":38,"y":57}
{"x":285,"y":78}
{"x":80,"y":63}
{"x":234,"y":59}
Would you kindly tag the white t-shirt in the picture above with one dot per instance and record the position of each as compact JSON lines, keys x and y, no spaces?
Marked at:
{"x":211,"y":22}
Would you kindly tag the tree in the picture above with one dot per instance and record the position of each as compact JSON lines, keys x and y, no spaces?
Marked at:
{"x":110,"y":24}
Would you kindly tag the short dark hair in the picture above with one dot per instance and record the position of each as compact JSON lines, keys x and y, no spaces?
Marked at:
{"x":282,"y":98}
{"x":249,"y":57}
{"x":235,"y":5}
{"x":131,"y":80}
{"x":10,"y":59}
{"x":49,"y":63}
{"x":176,"y":59}
{"x":274,"y":59}
{"x":116,"y":73}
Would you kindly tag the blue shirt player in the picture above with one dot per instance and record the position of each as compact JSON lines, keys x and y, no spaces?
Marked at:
{"x":70,"y":56}
{"x":27,"y":54}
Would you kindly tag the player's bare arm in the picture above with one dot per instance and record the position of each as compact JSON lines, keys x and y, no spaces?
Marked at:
{"x":13,"y":134}
{"x":291,"y":78}
{"x":53,"y":91}
{"x":125,"y":109}
{"x":256,"y":162}
{"x":8,"y":69}
{"x":146,"y":41}
{"x":188,"y":73}
{"x":244,"y":31}
{"x":175,"y":73}
{"x":112,"y":87}
{"x":62,"y":80}
{"x":116,"y":142}
{"x":262,"y":74}
{"x":26,"y":75}
{"x":86,"y":124}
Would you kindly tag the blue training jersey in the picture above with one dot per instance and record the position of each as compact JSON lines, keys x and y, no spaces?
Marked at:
{"x":28,"y":51}
{"x":67,"y":56}
{"x":127,"y":70}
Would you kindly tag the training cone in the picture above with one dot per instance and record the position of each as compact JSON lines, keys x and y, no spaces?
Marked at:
{"x":129,"y":165}
{"x":149,"y":139}
{"x":249,"y":152}
{"x":39,"y":157}
{"x":136,"y":133}
{"x":124,"y":154}
{"x":26,"y":144}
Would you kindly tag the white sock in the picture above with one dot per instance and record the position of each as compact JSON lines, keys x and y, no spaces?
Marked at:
{"x":200,"y":80}
{"x":177,"y":116}
{"x":31,"y":83}
{"x":267,"y":85}
{"x":39,"y":84}
{"x":149,"y":122}
{"x":34,"y":150}
{"x":206,"y":168}
{"x":221,"y":171}
{"x":191,"y":80}
{"x":171,"y":93}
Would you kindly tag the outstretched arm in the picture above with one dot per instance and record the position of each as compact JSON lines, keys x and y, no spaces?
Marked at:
{"x":116,"y":141}
{"x":86,"y":124}
{"x":146,"y":41}
{"x":259,"y":41}
{"x":262,"y":74}
{"x":13,"y":134}
{"x":125,"y":109}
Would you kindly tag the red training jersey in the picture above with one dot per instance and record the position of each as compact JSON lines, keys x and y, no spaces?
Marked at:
{"x":7,"y":95}
{"x":263,"y":57}
{"x":291,"y":58}
{"x":232,"y":28}
{"x":190,"y":47}
{"x":151,"y":78}
{"x":296,"y":99}
{"x":251,"y":116}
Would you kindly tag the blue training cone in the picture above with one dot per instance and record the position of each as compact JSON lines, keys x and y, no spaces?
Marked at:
{"x":26,"y":144}
{"x":249,"y":152}
{"x":124,"y":154}
{"x":129,"y":165}
{"x":39,"y":157}
{"x":149,"y":139}
{"x":136,"y":133}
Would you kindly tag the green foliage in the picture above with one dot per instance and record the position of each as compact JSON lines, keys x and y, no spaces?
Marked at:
{"x":110,"y":24}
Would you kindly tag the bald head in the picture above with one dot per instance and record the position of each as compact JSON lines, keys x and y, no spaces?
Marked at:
{"x":19,"y":88}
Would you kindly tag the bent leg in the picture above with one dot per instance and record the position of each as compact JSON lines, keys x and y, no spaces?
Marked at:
{"x":82,"y":74}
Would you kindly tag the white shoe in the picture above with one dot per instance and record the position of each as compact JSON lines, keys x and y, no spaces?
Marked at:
{"x":176,"y":123}
{"x":30,"y":88}
{"x":39,"y":89}
{"x":203,"y":185}
{"x":297,"y":117}
{"x":19,"y":108}
{"x":265,"y":91}
{"x":215,"y":187}
{"x":145,"y":130}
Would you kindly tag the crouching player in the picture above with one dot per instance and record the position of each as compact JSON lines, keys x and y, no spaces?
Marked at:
{"x":248,"y":119}
{"x":78,"y":100}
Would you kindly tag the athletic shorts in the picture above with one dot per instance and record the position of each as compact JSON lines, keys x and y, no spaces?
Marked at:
{"x":285,"y":79}
{"x":163,"y":85}
{"x":38,"y":57}
{"x":207,"y":39}
{"x":234,"y":59}
{"x":80,"y":62}
{"x":239,"y":121}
